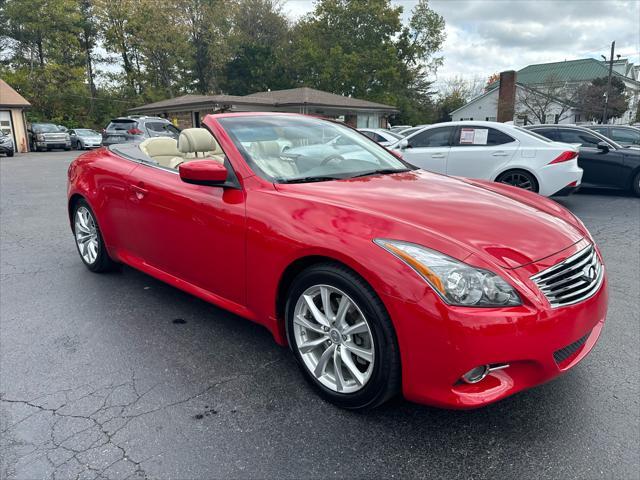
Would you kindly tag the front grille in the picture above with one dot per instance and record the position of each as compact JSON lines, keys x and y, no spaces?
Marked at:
{"x":573,"y":280}
{"x":564,"y":353}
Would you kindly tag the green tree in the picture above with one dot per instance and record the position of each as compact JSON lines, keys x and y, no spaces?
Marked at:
{"x":360,"y":48}
{"x":258,"y":39}
{"x":591,"y":99}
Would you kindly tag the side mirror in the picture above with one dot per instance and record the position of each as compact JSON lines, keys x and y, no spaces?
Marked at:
{"x":203,"y":172}
{"x":404,"y":143}
{"x":604,"y":146}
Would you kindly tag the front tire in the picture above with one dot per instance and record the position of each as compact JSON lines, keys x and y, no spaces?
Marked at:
{"x":519,"y":178}
{"x":342,"y":337}
{"x":89,"y":241}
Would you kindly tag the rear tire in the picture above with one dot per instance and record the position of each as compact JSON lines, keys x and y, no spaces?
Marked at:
{"x":355,"y":361}
{"x":519,"y":178}
{"x":89,"y":241}
{"x":635,"y":187}
{"x":10,"y":154}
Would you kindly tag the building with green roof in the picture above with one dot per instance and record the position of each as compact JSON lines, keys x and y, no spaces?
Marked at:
{"x":534,"y":80}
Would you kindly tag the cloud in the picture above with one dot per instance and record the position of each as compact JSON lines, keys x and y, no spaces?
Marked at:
{"x":487,"y":36}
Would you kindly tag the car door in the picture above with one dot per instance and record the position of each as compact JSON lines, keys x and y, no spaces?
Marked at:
{"x":429,"y":149}
{"x":479,"y":151}
{"x":601,"y":167}
{"x":193,"y":232}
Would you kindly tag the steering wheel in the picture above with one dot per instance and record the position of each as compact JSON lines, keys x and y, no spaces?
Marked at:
{"x":331,"y":158}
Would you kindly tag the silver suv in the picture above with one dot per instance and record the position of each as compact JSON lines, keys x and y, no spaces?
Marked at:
{"x":137,"y":128}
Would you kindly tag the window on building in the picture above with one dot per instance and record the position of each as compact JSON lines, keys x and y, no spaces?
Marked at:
{"x":576,"y":118}
{"x":490,"y":119}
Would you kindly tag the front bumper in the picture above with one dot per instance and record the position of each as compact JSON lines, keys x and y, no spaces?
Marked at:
{"x":6,"y":149}
{"x":439,"y":344}
{"x":53,"y":144}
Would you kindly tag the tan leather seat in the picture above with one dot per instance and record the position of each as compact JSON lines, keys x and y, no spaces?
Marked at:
{"x":162,"y":150}
{"x":197,"y":144}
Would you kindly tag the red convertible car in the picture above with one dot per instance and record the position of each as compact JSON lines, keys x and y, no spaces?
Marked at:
{"x":380,"y":277}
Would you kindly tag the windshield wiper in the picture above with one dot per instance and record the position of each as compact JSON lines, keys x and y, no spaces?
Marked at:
{"x":318,"y":178}
{"x":381,"y":171}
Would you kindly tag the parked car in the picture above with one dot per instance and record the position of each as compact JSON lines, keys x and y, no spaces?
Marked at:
{"x":398,"y":128}
{"x":62,"y":128}
{"x":137,"y":128}
{"x":622,"y":134}
{"x":82,"y":138}
{"x":408,"y":131}
{"x":605,"y":162}
{"x":380,"y":135}
{"x":379,"y":276}
{"x":45,"y":136}
{"x":494,"y":151}
{"x":6,"y":144}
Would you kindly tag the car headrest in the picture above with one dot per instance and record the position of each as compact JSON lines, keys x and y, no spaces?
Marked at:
{"x":156,"y":146}
{"x":196,"y":140}
{"x":270,"y":148}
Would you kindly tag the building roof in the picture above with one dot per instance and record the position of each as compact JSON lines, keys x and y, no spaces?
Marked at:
{"x":583,"y":70}
{"x":10,"y":98}
{"x":311,"y":96}
{"x":275,"y":98}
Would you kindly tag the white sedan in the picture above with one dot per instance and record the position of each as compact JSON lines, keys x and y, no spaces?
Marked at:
{"x":380,"y":135}
{"x":497,"y":152}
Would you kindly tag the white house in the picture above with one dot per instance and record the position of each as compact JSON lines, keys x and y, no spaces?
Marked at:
{"x":531,"y":83}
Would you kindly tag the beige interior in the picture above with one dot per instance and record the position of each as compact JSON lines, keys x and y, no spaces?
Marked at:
{"x":193,"y":144}
{"x":160,"y":149}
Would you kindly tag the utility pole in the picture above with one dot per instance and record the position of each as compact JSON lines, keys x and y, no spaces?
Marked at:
{"x":606,"y":100}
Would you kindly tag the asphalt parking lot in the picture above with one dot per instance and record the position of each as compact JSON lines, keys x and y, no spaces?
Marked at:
{"x":122,"y":376}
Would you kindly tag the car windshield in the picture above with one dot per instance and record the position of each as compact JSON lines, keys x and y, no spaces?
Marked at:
{"x":46,"y":128}
{"x":287,"y":149}
{"x":533,"y":134}
{"x":86,"y":132}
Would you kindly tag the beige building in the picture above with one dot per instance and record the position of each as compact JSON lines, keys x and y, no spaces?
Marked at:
{"x":189,"y":110}
{"x":12,"y":119}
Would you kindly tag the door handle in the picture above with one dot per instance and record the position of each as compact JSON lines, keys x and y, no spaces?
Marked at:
{"x":499,"y":154}
{"x":139,"y":190}
{"x":437,"y":155}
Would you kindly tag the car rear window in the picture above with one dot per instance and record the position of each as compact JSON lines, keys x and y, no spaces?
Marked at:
{"x":162,"y":129}
{"x":124,"y":124}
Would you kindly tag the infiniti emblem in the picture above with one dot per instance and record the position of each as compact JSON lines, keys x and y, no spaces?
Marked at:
{"x":589,"y":273}
{"x":335,"y":336}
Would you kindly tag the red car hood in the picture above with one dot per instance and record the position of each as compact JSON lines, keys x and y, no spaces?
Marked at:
{"x":511,"y":231}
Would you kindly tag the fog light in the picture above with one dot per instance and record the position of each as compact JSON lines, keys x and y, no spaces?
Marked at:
{"x":476,"y":374}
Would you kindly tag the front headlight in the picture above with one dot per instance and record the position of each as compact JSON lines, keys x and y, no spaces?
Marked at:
{"x":456,"y":282}
{"x":40,"y":137}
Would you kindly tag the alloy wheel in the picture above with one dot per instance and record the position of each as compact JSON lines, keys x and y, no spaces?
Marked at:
{"x":334,"y":339}
{"x":86,"y":235}
{"x":519,"y":180}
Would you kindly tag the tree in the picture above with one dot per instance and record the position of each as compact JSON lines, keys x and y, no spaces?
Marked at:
{"x":258,"y":39}
{"x":552,"y":97}
{"x":591,"y":99}
{"x":360,"y":48}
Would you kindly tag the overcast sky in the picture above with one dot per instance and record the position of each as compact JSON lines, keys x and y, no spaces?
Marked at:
{"x":487,"y":36}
